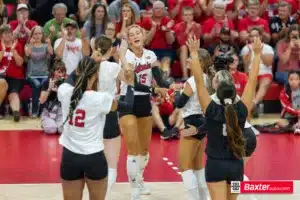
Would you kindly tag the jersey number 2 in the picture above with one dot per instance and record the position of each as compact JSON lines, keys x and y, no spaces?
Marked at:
{"x":79,"y":119}
{"x":142,"y":78}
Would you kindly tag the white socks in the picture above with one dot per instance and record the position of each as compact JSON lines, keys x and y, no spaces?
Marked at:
{"x":203,"y":190}
{"x":143,"y":164}
{"x":190,"y":182}
{"x":133,"y":170}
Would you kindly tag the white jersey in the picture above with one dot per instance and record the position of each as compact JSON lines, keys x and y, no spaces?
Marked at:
{"x":108,"y":77}
{"x":237,"y":98}
{"x":192,"y":107}
{"x":83,"y":134}
{"x":142,"y":67}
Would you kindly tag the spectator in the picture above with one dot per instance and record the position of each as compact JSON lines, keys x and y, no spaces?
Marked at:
{"x":225,"y":46}
{"x":280,"y":23}
{"x":115,"y":10}
{"x":160,"y":36}
{"x":288,"y":52}
{"x":175,"y":8}
{"x":188,"y":27}
{"x":213,"y":25}
{"x":290,"y":101}
{"x":3,"y":13}
{"x":43,"y":9}
{"x":38,"y":52}
{"x":14,"y":16}
{"x":111,"y":33}
{"x":265,"y":76}
{"x":22,"y":26}
{"x":128,"y":19}
{"x":71,"y":49}
{"x":85,"y":8}
{"x":240,"y":78}
{"x":52,"y":28}
{"x":146,"y":7}
{"x":52,"y":119}
{"x":97,"y":23}
{"x":11,"y":60}
{"x":253,"y":21}
{"x":231,"y":10}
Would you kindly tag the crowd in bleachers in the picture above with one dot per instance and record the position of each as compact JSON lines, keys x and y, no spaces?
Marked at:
{"x":43,"y":41}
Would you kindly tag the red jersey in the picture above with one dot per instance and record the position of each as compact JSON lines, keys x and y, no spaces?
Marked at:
{"x":23,"y":37}
{"x":287,"y":106}
{"x":240,"y":81}
{"x":13,"y":70}
{"x":211,"y":25}
{"x":182,"y":35}
{"x":247,"y":24}
{"x":159,"y":38}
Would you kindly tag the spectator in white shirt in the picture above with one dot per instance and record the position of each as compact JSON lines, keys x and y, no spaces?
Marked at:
{"x":71,"y":49}
{"x":265,"y":76}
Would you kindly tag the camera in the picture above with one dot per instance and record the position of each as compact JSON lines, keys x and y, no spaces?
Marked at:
{"x":222,"y":62}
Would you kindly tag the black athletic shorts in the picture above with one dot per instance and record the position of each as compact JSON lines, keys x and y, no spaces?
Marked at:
{"x":217,"y":170}
{"x":14,"y":85}
{"x":111,"y":127}
{"x":141,"y":106}
{"x":78,"y":166}
{"x":197,"y":121}
{"x":250,"y":141}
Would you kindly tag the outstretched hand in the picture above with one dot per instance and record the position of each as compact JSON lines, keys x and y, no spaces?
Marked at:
{"x":257,"y":46}
{"x":193,"y":44}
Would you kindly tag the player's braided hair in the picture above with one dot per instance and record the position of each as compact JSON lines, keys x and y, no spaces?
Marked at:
{"x":86,"y":68}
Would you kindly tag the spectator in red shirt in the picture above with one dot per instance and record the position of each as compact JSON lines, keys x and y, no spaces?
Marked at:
{"x":11,"y":62}
{"x":213,"y":25}
{"x":240,"y":78}
{"x":188,"y":27}
{"x":127,"y":19}
{"x":253,"y":21}
{"x":159,"y":35}
{"x":288,"y":52}
{"x":175,"y":8}
{"x":22,"y":26}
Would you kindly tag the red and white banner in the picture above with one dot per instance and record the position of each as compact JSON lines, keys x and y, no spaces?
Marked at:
{"x":262,"y":187}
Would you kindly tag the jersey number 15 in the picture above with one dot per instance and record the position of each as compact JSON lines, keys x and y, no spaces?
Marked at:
{"x":78,"y":121}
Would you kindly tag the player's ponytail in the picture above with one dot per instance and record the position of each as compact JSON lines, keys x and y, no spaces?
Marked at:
{"x":86,"y":68}
{"x":226,"y":92}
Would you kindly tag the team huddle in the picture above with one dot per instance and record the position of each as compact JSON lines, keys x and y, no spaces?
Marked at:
{"x":93,"y":116}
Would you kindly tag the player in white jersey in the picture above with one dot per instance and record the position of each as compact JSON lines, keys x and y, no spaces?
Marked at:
{"x":136,"y":126}
{"x":109,"y":73}
{"x":84,"y":112}
{"x":226,"y":147}
{"x":191,"y":147}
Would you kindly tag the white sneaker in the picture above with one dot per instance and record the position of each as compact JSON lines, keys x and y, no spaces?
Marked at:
{"x":135,"y":194}
{"x":144,"y":190}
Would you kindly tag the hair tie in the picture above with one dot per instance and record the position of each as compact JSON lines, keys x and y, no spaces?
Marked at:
{"x":228,"y":101}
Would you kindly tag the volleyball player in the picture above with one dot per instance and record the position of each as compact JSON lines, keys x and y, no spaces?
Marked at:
{"x":109,"y":73}
{"x":136,"y":126}
{"x":224,"y":122}
{"x":84,"y":111}
{"x":191,"y":148}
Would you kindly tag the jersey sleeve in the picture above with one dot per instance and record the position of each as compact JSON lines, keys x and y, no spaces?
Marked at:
{"x":61,"y":91}
{"x":102,"y":102}
{"x":152,"y":56}
{"x":191,"y":82}
{"x":130,"y":57}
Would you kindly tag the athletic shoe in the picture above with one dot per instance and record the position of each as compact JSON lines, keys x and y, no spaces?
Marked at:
{"x":166,"y":134}
{"x":135,"y":194}
{"x":175,"y":132}
{"x":16,"y":115}
{"x":143,"y":189}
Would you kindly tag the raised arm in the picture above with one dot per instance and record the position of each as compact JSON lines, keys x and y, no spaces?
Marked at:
{"x":249,"y":92}
{"x":203,"y":95}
